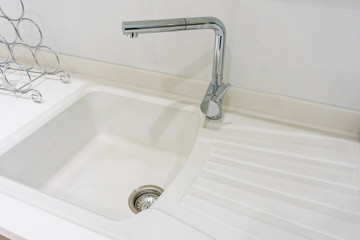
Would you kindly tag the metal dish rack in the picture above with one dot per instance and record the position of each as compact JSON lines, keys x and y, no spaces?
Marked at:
{"x":22,"y":59}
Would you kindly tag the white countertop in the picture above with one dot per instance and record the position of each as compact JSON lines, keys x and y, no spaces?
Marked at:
{"x":246,"y":178}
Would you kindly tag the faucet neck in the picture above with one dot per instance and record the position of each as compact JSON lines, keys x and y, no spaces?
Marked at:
{"x":219,"y":45}
{"x":132,"y":29}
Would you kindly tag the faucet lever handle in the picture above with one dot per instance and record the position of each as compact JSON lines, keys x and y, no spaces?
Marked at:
{"x":222,"y":92}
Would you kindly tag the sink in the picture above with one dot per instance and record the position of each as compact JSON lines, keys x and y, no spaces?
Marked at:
{"x":107,"y":142}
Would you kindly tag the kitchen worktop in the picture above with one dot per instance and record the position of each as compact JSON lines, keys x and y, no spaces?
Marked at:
{"x":246,"y":178}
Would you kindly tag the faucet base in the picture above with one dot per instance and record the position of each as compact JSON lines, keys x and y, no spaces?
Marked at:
{"x":211,"y":105}
{"x":217,"y":117}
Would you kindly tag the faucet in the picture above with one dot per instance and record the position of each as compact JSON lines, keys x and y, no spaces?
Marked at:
{"x":211,"y":104}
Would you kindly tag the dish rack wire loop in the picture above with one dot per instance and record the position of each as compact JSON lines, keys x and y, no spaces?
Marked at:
{"x":23,"y":58}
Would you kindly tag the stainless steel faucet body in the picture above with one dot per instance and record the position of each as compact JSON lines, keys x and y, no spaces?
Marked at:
{"x":212,"y":102}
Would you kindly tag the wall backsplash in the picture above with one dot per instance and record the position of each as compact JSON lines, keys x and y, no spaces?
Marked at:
{"x":308,"y":49}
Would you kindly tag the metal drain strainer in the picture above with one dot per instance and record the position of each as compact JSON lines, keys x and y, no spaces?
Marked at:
{"x":143,"y":197}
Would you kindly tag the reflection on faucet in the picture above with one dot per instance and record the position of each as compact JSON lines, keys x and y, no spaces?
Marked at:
{"x":211,"y":105}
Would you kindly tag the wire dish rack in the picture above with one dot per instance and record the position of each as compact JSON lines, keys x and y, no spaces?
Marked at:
{"x":23,"y":58}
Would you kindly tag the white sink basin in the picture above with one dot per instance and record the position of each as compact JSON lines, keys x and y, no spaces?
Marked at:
{"x":101,"y":147}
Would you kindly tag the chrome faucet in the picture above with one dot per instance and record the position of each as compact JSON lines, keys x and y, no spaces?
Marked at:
{"x":211,"y":105}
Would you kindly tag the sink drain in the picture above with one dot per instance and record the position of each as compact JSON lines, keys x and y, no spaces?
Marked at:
{"x":143,"y":197}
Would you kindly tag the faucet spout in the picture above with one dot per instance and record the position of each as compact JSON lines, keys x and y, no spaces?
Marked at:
{"x":132,"y":35}
{"x":212,"y":101}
